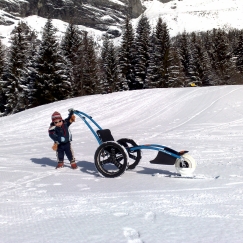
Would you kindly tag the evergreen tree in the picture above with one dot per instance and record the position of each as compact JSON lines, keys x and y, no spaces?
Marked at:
{"x":186,"y":57}
{"x":70,"y":46}
{"x":222,"y":62}
{"x":31,"y":74}
{"x":153,"y":77}
{"x":176,"y":75}
{"x":126,"y":57}
{"x":15,"y":83}
{"x":52,"y":81}
{"x":208,"y":46}
{"x":88,"y":67}
{"x":196,"y":59}
{"x":160,"y":60}
{"x":3,"y":98}
{"x":201,"y":63}
{"x":239,"y":54}
{"x":110,"y":67}
{"x":29,"y":69}
{"x":104,"y":86}
{"x":233,"y":35}
{"x":142,"y":46}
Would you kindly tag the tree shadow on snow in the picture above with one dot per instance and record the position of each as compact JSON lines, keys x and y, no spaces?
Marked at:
{"x":84,"y":166}
{"x":152,"y":171}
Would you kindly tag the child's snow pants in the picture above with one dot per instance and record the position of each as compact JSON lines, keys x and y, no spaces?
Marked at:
{"x":65,"y":148}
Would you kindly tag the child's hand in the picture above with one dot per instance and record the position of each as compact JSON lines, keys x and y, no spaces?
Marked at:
{"x":62,"y":139}
{"x":54,"y":147}
{"x":72,"y":119}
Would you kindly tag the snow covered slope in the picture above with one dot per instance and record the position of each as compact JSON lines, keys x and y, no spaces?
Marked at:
{"x":37,"y":23}
{"x":196,"y":15}
{"x":148,"y":204}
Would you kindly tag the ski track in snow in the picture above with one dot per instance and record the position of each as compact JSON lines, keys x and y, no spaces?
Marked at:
{"x":148,"y":204}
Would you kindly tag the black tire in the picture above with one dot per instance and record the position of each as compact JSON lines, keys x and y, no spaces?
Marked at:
{"x":110,"y":159}
{"x":135,"y":156}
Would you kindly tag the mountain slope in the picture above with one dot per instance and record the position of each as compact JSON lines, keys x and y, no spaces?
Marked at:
{"x":196,"y":15}
{"x":180,"y":15}
{"x":147,"y":204}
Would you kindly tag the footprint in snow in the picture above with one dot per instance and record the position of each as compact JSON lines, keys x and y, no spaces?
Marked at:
{"x":132,"y":235}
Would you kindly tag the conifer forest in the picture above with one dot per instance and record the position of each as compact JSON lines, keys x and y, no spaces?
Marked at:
{"x":35,"y":72}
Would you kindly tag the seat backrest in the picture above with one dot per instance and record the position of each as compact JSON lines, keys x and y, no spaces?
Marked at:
{"x":105,"y":135}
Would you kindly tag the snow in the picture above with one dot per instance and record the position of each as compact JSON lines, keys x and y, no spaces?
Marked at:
{"x":37,"y":23}
{"x":196,"y":15}
{"x":180,"y":15}
{"x":148,"y":204}
{"x":117,"y":2}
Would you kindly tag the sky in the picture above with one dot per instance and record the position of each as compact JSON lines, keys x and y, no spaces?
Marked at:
{"x":149,"y":204}
{"x":180,"y":15}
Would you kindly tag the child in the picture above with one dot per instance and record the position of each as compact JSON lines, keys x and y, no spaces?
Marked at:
{"x":59,"y":132}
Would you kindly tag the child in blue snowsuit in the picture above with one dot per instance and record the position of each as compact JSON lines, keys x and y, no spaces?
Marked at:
{"x":59,"y":132}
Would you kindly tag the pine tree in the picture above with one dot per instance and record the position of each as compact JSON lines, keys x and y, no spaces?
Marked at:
{"x":176,"y":74}
{"x":29,"y":69}
{"x":70,"y":46}
{"x":200,"y":62}
{"x":221,"y":57}
{"x":196,"y":59}
{"x":153,"y":77}
{"x":160,"y":60}
{"x":88,"y":67}
{"x":126,"y":57}
{"x":3,"y":98}
{"x":52,"y":81}
{"x":110,"y":67}
{"x":210,"y":56}
{"x":104,"y":86}
{"x":15,"y":83}
{"x":142,"y":46}
{"x":239,"y":54}
{"x":186,"y":57}
{"x":31,"y":74}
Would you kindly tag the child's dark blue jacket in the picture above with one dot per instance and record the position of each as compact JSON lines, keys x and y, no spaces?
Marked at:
{"x":56,"y":133}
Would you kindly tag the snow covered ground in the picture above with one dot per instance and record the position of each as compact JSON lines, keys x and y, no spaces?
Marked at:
{"x":148,"y":204}
{"x":195,"y":15}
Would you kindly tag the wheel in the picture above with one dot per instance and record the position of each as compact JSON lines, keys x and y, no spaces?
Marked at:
{"x":110,"y":159}
{"x":135,"y":156}
{"x":187,"y":166}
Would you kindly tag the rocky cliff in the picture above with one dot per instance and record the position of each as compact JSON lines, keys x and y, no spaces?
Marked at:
{"x":98,"y":14}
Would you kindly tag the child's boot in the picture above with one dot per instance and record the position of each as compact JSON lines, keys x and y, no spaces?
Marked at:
{"x":60,"y":165}
{"x":73,"y":165}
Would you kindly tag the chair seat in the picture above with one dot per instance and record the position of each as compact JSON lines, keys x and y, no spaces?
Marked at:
{"x":105,"y":135}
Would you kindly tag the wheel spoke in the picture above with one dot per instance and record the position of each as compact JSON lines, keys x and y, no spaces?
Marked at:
{"x":132,"y":156}
{"x":117,"y":162}
{"x":105,"y":161}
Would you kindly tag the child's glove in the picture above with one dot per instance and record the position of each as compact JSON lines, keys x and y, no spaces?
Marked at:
{"x":71,"y":110}
{"x":54,"y":147}
{"x":72,"y":119}
{"x":62,"y":139}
